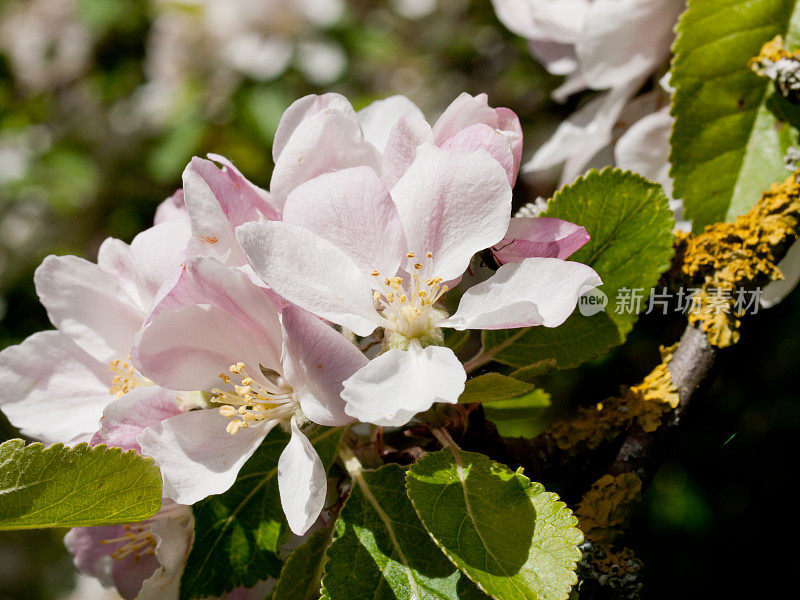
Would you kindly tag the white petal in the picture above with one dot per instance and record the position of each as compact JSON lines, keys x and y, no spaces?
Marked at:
{"x":197,"y":456}
{"x":453,"y":205}
{"x":398,"y":384}
{"x":187,"y":348}
{"x":52,"y":390}
{"x":316,"y":361}
{"x":302,"y":109}
{"x":625,"y":39}
{"x":86,"y":303}
{"x":310,"y":272}
{"x":326,"y":141}
{"x":408,"y":134}
{"x":378,"y":119}
{"x":644,"y":148}
{"x":534,"y":291}
{"x":352,"y":209}
{"x":301,"y":481}
{"x":173,"y":536}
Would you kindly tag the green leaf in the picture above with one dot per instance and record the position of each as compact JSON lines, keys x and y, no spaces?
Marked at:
{"x":726,"y":142}
{"x":493,"y":387}
{"x":302,"y":572}
{"x":630,"y":225}
{"x":513,"y":539}
{"x":238,"y":534}
{"x":80,"y":486}
{"x":381,"y":550}
{"x":519,"y":417}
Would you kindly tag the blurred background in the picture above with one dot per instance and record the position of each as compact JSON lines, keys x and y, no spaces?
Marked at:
{"x":103,"y":102}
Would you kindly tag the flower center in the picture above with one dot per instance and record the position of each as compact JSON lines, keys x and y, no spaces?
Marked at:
{"x":408,"y":304}
{"x":125,"y":377}
{"x":138,"y":541}
{"x":251,"y":402}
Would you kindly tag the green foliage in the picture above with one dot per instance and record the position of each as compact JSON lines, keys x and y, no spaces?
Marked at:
{"x":519,"y":417}
{"x":506,"y":533}
{"x":630,"y":225}
{"x":302,"y":572}
{"x":238,"y":534}
{"x":382,"y":551}
{"x":727,"y":143}
{"x":493,"y":387}
{"x":80,"y":486}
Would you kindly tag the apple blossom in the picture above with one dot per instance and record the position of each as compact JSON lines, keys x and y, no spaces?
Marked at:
{"x":318,"y":134}
{"x":356,"y":254}
{"x":612,"y":45}
{"x":56,"y":383}
{"x":259,"y":371}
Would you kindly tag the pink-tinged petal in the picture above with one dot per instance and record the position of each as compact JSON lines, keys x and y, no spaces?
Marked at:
{"x":240,"y":200}
{"x":453,"y":205}
{"x":87,"y":304}
{"x":218,"y":200}
{"x":301,"y":481}
{"x":508,"y":123}
{"x":352,"y":209}
{"x":173,"y":537}
{"x":379,"y":118}
{"x":301,"y":110}
{"x":153,"y":260}
{"x":398,"y":384}
{"x":126,"y":417}
{"x":187,"y":348}
{"x":534,"y":291}
{"x":197,"y":456}
{"x":52,"y":390}
{"x":310,"y":272}
{"x":317,"y":359}
{"x":464,"y":111}
{"x":326,"y":141}
{"x":92,"y":551}
{"x":408,"y":134}
{"x":479,"y":136}
{"x":544,"y":237}
{"x":172,"y":209}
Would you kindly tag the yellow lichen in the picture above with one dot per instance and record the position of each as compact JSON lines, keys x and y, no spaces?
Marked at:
{"x":607,"y":506}
{"x":771,"y":52}
{"x":742,"y":255}
{"x":644,"y":404}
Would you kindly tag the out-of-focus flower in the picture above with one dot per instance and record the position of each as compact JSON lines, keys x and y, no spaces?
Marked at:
{"x":354,"y":253}
{"x":609,"y":45}
{"x":45,"y":41}
{"x":217,"y":42}
{"x":263,"y":371}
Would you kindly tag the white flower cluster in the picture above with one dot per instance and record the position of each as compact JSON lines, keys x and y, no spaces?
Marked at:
{"x":243,"y":309}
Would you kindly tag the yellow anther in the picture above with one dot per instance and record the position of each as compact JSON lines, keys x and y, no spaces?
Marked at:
{"x":402,"y":298}
{"x":247,"y":381}
{"x":418,"y":266}
{"x":375,"y":273}
{"x":410,"y":255}
{"x":429,"y":255}
{"x":376,"y":296}
{"x":224,"y":378}
{"x":227,"y":411}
